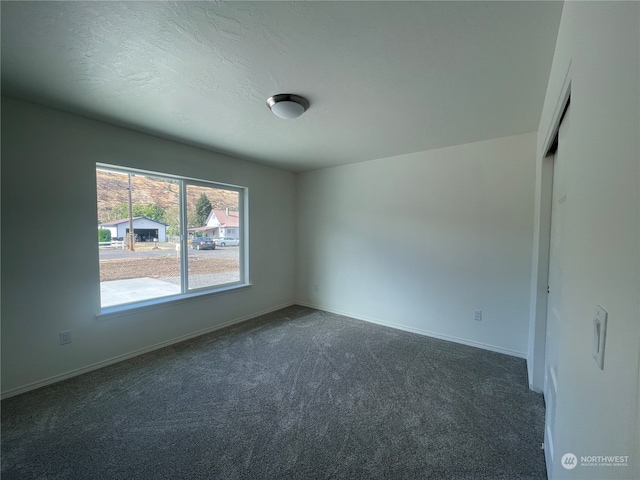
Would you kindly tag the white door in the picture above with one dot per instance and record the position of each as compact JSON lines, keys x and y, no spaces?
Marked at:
{"x":554,"y":300}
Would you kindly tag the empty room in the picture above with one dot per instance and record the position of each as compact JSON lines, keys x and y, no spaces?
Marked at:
{"x":320,"y":240}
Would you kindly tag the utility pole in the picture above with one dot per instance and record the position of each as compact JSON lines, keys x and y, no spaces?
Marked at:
{"x":130,"y":218}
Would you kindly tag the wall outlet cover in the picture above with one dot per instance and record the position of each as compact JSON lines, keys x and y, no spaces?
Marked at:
{"x":65,"y":337}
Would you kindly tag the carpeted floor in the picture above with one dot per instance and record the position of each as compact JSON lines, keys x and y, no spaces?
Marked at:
{"x":295,"y":394}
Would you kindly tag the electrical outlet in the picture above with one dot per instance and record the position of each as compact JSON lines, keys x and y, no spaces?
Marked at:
{"x":477,"y":315}
{"x":65,"y":337}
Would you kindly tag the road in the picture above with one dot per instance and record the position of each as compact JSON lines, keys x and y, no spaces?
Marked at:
{"x":144,"y":251}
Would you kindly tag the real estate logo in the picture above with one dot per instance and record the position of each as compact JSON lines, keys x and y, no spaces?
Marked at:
{"x":569,"y":461}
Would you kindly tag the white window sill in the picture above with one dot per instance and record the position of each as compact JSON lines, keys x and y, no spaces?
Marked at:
{"x":163,"y":302}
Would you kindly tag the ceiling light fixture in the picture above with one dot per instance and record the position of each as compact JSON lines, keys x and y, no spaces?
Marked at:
{"x":287,"y":105}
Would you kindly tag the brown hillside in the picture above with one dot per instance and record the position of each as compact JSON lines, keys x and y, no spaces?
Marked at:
{"x":112,"y":190}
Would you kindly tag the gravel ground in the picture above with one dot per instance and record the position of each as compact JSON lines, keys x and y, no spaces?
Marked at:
{"x":164,"y":267}
{"x":199,"y":281}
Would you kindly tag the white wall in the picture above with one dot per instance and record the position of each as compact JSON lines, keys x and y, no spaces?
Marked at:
{"x":419,"y":241}
{"x":48,"y":174}
{"x":597,"y":411}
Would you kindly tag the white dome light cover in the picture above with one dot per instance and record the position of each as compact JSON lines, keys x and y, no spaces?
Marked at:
{"x":287,"y":105}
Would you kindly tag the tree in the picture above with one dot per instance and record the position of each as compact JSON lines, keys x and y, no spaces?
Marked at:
{"x":151,"y":211}
{"x":173,"y":220}
{"x":203,"y":208}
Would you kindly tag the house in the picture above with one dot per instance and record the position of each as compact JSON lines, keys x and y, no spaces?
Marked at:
{"x":220,"y":223}
{"x":145,"y":229}
{"x":411,"y":205}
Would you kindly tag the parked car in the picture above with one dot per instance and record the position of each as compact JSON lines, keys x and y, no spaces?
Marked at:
{"x":203,"y":243}
{"x":228,"y":241}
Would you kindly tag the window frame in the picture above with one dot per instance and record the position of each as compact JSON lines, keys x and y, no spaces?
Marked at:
{"x":186,"y":293}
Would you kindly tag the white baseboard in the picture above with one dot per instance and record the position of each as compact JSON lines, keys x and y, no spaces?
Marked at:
{"x":419,"y":331}
{"x":142,"y":351}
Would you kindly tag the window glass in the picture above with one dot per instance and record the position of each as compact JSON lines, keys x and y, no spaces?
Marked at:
{"x":213,"y":211}
{"x":158,"y":235}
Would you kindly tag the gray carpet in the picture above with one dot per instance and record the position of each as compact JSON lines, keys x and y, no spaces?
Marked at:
{"x":296,"y":394}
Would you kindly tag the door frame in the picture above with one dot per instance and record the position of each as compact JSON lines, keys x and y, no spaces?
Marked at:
{"x":541,"y":242}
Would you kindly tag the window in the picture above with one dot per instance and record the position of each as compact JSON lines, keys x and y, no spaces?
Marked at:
{"x":158,"y":236}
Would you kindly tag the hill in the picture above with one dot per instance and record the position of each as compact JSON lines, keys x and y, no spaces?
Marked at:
{"x":112,"y":190}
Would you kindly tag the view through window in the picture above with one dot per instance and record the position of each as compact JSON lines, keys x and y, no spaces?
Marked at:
{"x":161,"y":235}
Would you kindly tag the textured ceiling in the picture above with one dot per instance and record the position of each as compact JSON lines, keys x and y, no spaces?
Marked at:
{"x":383,"y":78}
